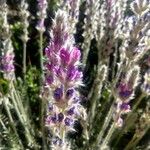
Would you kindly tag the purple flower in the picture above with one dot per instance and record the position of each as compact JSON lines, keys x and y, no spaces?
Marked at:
{"x":58,"y":93}
{"x":72,"y":73}
{"x":48,"y":51}
{"x":76,"y":99}
{"x":124,"y":107}
{"x":62,"y":70}
{"x":70,"y":93}
{"x":57,"y":141}
{"x":42,"y":6}
{"x":75,"y":55}
{"x":65,"y":56}
{"x":54,"y":118}
{"x":71,"y":111}
{"x":49,"y":79}
{"x":124,"y":91}
{"x":41,"y":23}
{"x":59,"y":72}
{"x":48,"y":120}
{"x":7,"y":68}
{"x":6,"y":64}
{"x":50,"y":67}
{"x":68,"y":121}
{"x":50,"y":107}
{"x":60,"y":117}
{"x":119,"y":122}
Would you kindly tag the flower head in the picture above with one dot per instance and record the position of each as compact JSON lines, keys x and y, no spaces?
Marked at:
{"x":62,"y":78}
{"x":42,"y":6}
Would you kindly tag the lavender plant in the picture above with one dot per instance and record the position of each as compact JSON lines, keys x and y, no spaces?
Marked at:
{"x":62,"y":78}
{"x":88,"y":90}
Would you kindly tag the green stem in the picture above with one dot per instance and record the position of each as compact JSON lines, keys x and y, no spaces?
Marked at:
{"x":115,"y":60}
{"x":22,"y":119}
{"x":109,"y":134}
{"x":138,"y":101}
{"x":105,"y":125}
{"x":25,"y":116}
{"x":20,"y":104}
{"x":41,"y":82}
{"x":41,"y":56}
{"x":24,"y":58}
{"x":12,"y":121}
{"x":86,"y":49}
{"x":135,"y":140}
{"x":96,"y":96}
{"x":127,"y":120}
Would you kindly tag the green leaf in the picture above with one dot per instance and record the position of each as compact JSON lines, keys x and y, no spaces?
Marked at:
{"x":4,"y":86}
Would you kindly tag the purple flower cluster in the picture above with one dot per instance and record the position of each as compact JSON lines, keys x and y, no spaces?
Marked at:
{"x":42,"y":6}
{"x":7,"y":66}
{"x":62,"y":78}
{"x":124,"y":93}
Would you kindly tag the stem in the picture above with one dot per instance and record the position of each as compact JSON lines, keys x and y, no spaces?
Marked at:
{"x":115,"y":60}
{"x":22,"y":119}
{"x":86,"y":49}
{"x":41,"y":82}
{"x":12,"y":122}
{"x":41,"y":56}
{"x":128,"y":118}
{"x":134,"y":141}
{"x":20,"y":105}
{"x":25,"y":116}
{"x":138,"y":101}
{"x":24,"y":58}
{"x":105,"y":125}
{"x":95,"y":97}
{"x":109,"y":134}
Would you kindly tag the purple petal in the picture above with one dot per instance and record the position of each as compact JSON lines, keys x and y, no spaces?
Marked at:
{"x":65,"y":56}
{"x":72,"y":72}
{"x":75,"y":54}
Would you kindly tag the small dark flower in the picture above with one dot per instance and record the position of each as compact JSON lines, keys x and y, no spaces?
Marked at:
{"x":57,"y":141}
{"x":69,"y":93}
{"x":124,"y":91}
{"x":49,"y":79}
{"x":58,"y":93}
{"x":54,"y":118}
{"x":68,"y":121}
{"x":48,"y":120}
{"x":124,"y":106}
{"x":50,"y":107}
{"x":71,"y":111}
{"x":60,"y":117}
{"x":76,"y":99}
